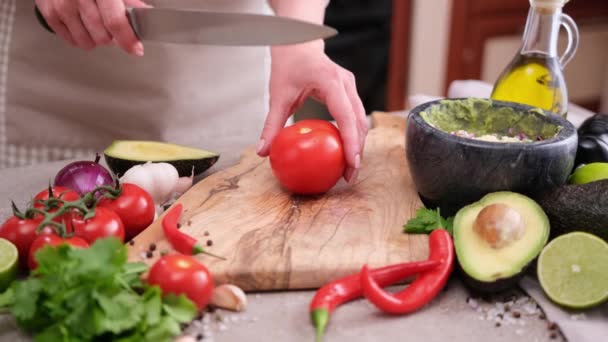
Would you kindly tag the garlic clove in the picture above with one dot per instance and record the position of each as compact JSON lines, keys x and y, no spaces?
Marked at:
{"x":229,"y":297}
{"x":183,"y":184}
{"x":185,"y":338}
{"x":166,"y":178}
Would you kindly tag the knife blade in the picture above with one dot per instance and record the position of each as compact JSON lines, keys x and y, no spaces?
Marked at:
{"x":217,"y":28}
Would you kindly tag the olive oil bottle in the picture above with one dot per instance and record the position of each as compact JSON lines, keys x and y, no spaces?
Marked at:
{"x":535,"y":75}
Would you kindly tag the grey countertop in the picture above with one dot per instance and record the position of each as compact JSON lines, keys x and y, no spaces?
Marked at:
{"x":283,"y":316}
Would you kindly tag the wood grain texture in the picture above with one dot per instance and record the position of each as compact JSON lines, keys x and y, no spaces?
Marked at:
{"x":274,"y":240}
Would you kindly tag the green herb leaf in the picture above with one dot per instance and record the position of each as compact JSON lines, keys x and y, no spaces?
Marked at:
{"x":7,"y":298}
{"x":427,"y":220}
{"x":130,"y":274}
{"x":52,"y":334}
{"x":179,"y":308}
{"x":102,"y":261}
{"x":26,"y":299}
{"x":135,"y":268}
{"x":52,"y":261}
{"x":163,"y":331}
{"x":122,"y":311}
{"x":152,"y":299}
{"x":94,"y":294}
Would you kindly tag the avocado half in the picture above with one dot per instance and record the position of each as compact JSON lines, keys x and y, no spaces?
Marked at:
{"x":122,"y":155}
{"x":486,"y":267}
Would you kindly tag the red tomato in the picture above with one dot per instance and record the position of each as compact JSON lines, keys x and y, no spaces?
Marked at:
{"x":134,"y":206}
{"x":64,"y":193}
{"x":105,"y":223}
{"x":308,"y":157}
{"x":182,"y":274}
{"x":21,"y":232}
{"x":52,"y":239}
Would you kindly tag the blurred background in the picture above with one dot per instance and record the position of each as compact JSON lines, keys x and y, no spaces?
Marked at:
{"x":398,"y":48}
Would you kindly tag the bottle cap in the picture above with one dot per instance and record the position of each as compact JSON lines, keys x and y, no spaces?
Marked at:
{"x":548,"y":4}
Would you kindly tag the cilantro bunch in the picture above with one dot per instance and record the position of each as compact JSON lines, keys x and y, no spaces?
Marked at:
{"x":427,"y":220}
{"x":94,"y":294}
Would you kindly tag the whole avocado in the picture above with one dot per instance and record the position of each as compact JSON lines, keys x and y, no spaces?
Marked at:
{"x":577,"y":208}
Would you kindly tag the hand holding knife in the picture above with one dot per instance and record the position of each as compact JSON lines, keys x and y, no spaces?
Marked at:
{"x":217,"y":28}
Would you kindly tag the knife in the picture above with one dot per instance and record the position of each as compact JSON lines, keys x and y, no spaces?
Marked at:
{"x":217,"y":28}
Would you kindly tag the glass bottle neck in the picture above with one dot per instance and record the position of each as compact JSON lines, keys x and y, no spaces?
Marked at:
{"x":541,"y":33}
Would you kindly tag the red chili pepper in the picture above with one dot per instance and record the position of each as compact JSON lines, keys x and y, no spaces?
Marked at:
{"x":182,"y":242}
{"x":426,"y":286}
{"x":348,"y":288}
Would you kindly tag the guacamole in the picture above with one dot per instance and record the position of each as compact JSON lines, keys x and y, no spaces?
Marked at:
{"x":479,"y":119}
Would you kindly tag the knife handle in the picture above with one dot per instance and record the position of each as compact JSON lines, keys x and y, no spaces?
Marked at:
{"x":42,"y":21}
{"x":46,"y":26}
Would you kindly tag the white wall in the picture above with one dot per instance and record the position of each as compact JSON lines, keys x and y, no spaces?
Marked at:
{"x":429,"y":46}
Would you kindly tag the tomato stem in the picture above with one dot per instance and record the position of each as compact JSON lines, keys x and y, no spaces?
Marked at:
{"x":17,"y":212}
{"x":63,"y":207}
{"x":55,"y":207}
{"x":109,"y":191}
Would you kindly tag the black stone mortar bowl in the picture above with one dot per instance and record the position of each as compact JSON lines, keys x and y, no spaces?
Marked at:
{"x":451,"y":171}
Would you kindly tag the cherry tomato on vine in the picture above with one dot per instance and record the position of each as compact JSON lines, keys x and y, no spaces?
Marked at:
{"x":21,"y":232}
{"x":105,"y":223}
{"x":134,"y":206}
{"x":52,"y":239}
{"x":61,"y":192}
{"x":308,"y":157}
{"x":182,"y":274}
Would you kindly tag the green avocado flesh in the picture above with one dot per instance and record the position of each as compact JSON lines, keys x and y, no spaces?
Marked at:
{"x":480,"y":117}
{"x":484,"y":263}
{"x":121,"y":155}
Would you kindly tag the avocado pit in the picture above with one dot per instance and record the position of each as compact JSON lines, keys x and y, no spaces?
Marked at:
{"x":499,"y":225}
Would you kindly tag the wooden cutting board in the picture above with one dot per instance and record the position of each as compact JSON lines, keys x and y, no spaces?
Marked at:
{"x":273,"y":240}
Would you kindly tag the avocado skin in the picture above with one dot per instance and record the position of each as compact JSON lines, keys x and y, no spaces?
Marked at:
{"x":577,"y":208}
{"x":184,"y":167}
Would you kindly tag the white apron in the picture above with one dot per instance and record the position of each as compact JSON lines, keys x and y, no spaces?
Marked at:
{"x":59,"y":102}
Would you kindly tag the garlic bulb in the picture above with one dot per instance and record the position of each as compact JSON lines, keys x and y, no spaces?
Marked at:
{"x":158,"y":179}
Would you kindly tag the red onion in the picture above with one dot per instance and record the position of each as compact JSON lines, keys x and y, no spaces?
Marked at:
{"x":83,"y":176}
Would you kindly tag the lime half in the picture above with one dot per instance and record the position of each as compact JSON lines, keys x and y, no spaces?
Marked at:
{"x":573,"y":270}
{"x":8,"y":263}
{"x":589,"y":173}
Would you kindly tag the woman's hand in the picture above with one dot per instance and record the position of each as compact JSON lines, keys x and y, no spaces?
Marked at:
{"x":91,"y":23}
{"x":299,"y":71}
